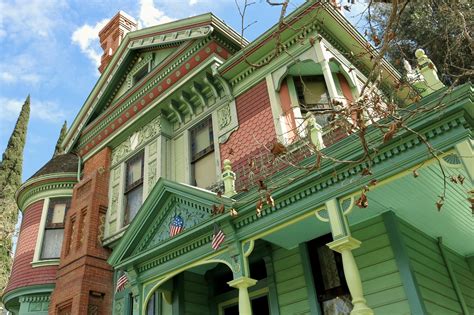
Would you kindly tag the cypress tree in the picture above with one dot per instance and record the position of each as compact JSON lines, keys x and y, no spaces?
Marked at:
{"x":10,"y":180}
{"x":59,"y":149}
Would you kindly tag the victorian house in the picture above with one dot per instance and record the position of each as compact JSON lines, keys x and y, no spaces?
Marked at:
{"x":184,"y":185}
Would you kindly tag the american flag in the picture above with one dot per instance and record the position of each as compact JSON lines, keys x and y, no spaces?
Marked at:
{"x":217,"y":237}
{"x":121,"y":282}
{"x":177,"y":225}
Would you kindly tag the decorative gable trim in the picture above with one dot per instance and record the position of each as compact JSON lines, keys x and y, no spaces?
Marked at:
{"x":151,"y":90}
{"x":149,"y":229}
{"x":172,"y":37}
{"x":162,"y":35}
{"x":193,"y":213}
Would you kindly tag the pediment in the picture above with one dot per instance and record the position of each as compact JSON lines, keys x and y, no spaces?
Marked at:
{"x":151,"y":228}
{"x":149,"y":59}
{"x":162,"y":40}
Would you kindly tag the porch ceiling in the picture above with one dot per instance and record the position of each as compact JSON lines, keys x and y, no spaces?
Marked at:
{"x":414,"y":200}
{"x":299,"y":232}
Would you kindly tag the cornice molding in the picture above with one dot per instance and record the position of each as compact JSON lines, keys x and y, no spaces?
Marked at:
{"x":45,"y":186}
{"x":27,"y":290}
{"x":171,"y":37}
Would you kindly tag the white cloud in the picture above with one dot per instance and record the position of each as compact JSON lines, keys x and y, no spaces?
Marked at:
{"x":27,"y":29}
{"x":193,"y":2}
{"x":19,"y":68}
{"x":150,"y":15}
{"x":30,"y":19}
{"x":87,"y":37}
{"x":46,"y":111}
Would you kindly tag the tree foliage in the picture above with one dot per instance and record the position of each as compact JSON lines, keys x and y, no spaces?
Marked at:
{"x":444,"y":29}
{"x":10,"y":180}
{"x":58,"y":149}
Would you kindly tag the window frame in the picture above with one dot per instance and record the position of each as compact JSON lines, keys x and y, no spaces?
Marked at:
{"x":130,"y":187}
{"x":206,"y":122}
{"x":194,"y":157}
{"x":299,"y":91}
{"x":145,"y":69}
{"x":37,"y":260}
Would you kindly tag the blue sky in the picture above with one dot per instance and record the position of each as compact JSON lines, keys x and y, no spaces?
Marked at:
{"x":50,"y":50}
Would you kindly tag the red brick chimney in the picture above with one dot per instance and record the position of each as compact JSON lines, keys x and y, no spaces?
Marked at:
{"x":112,"y":34}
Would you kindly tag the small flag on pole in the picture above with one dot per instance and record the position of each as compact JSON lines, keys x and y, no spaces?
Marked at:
{"x":177,"y":225}
{"x":217,"y":237}
{"x":121,"y":282}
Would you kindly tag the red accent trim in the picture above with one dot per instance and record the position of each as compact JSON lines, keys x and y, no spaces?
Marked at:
{"x":146,"y":100}
{"x":147,"y":35}
{"x":166,"y":62}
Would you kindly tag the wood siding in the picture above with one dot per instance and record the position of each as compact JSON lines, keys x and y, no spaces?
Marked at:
{"x":379,"y":273}
{"x":464,"y":277}
{"x":430,"y":271}
{"x":290,"y":281}
{"x":195,"y":294}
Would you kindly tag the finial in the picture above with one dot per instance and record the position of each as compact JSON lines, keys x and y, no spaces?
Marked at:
{"x":229,"y":179}
{"x":227,"y":165}
{"x":429,"y":72}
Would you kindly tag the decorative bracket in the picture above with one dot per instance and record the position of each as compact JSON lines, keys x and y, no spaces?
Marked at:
{"x":174,"y":108}
{"x":184,"y":97}
{"x":196,"y":89}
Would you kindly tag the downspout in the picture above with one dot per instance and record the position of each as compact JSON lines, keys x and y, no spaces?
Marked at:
{"x":452,"y":276}
{"x":79,"y":160}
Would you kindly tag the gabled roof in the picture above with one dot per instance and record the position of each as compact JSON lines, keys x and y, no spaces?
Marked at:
{"x":328,"y":22}
{"x":153,"y":37}
{"x":149,"y":230}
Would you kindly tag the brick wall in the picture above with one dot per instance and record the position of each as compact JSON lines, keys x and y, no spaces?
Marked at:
{"x":23,"y":274}
{"x":84,"y":279}
{"x":255,"y":126}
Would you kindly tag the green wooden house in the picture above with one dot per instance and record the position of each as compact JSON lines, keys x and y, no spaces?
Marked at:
{"x":175,"y":144}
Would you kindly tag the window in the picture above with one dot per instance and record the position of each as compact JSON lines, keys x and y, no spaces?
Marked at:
{"x":54,"y":228}
{"x":312,"y":94}
{"x":140,"y":74}
{"x":328,"y":273}
{"x":133,"y":187}
{"x":203,"y":164}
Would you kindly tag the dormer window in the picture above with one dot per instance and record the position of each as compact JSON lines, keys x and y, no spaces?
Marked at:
{"x":313,"y":94}
{"x":141,"y":73}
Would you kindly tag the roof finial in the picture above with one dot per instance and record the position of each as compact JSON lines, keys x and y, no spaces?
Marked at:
{"x":428,"y":71}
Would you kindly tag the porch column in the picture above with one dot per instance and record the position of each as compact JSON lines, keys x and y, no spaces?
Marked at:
{"x":345,"y":246}
{"x":344,"y":243}
{"x":242,"y":283}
